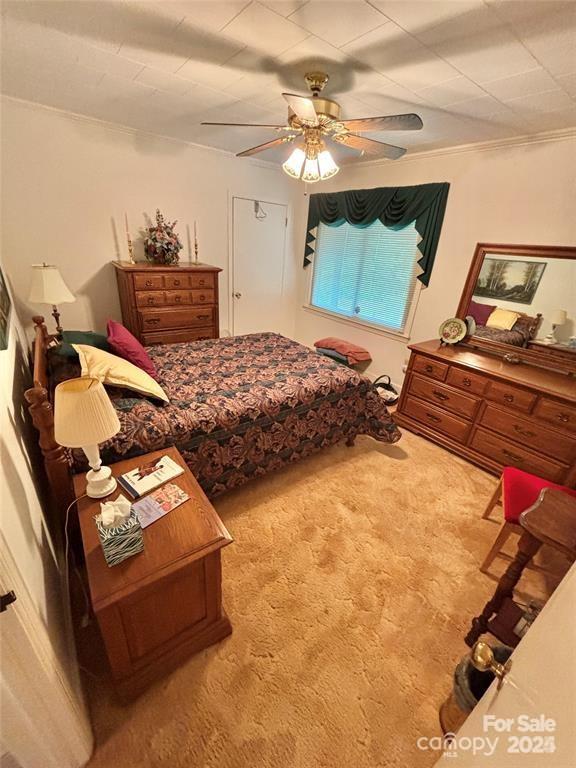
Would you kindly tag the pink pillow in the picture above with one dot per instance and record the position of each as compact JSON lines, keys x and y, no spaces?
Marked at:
{"x":124,"y":344}
{"x":480,"y":312}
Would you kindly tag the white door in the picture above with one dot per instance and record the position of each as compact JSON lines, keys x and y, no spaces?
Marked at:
{"x":531,"y":721}
{"x":43,"y":723}
{"x":258,"y":256}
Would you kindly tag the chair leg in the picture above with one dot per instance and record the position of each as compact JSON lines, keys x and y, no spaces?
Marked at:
{"x":496,"y":496}
{"x":504,"y":533}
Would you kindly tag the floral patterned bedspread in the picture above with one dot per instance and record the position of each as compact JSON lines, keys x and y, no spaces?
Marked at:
{"x":241,"y":407}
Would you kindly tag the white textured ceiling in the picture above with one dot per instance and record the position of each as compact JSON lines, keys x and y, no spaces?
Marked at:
{"x":473,"y":70}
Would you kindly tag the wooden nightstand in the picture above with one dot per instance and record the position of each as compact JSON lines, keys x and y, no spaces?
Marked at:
{"x":157,"y":607}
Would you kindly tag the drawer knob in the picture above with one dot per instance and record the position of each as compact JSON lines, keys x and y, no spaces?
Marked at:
{"x":467,"y":382}
{"x":201,"y":282}
{"x":201,"y":297}
{"x":177,"y":299}
{"x":428,"y":368}
{"x":203,"y":317}
{"x":150,"y":300}
{"x":509,"y":398}
{"x":523,"y":432}
{"x":563,"y":417}
{"x":440,"y":395}
{"x":148,"y":283}
{"x":432,"y":417}
{"x":511,"y":455}
{"x":152,"y":320}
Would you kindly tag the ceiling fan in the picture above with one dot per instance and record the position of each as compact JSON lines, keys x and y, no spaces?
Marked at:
{"x":314,"y":120}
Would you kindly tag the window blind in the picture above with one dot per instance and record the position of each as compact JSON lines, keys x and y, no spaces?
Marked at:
{"x":365,"y":272}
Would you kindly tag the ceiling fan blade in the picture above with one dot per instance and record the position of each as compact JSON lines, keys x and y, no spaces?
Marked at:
{"x":303,"y":107}
{"x":252,"y":125}
{"x":411,"y":122}
{"x":266,"y":145}
{"x":369,"y":146}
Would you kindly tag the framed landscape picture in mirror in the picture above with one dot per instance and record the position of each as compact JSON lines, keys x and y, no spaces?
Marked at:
{"x":523,"y":301}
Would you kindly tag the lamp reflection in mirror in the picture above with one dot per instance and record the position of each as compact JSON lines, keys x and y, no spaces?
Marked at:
{"x":558,"y":317}
{"x":84,"y":417}
{"x":311,"y":166}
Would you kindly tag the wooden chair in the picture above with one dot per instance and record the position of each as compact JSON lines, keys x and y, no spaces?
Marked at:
{"x":516,"y":491}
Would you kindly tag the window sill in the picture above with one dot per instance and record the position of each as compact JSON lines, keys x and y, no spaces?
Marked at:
{"x":371,"y":327}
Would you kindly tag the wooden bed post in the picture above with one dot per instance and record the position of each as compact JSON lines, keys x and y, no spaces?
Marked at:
{"x":42,"y":414}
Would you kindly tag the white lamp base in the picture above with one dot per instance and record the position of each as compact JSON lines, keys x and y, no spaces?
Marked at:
{"x":100,"y":483}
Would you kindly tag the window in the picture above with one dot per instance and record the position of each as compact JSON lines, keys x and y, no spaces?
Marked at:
{"x":367,"y":273}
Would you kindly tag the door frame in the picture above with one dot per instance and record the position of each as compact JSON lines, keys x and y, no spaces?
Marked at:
{"x":231,"y":197}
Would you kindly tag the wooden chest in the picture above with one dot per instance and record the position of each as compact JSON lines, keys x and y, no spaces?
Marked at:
{"x":491,"y":412}
{"x":164,"y":305}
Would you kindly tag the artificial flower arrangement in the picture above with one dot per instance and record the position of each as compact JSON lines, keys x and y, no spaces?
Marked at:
{"x":161,"y":244}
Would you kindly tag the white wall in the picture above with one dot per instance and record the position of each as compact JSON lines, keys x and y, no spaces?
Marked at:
{"x":68,"y":181}
{"x":519,"y":194}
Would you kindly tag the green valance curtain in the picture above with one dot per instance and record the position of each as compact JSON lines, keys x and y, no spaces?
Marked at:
{"x":395,"y":207}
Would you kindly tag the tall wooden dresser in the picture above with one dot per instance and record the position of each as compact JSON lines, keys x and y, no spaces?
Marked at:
{"x":167,"y":304}
{"x":491,"y":412}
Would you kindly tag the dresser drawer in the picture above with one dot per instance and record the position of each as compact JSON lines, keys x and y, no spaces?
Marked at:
{"x":518,"y":399}
{"x":175,"y":318}
{"x":177,"y":280}
{"x":177,"y":298}
{"x":148,"y":282}
{"x":530,"y":434}
{"x":180,"y":336}
{"x":432,"y":368}
{"x":202,"y":280}
{"x":555,"y":412}
{"x":439,"y":420}
{"x":150,"y":298}
{"x":200,"y":296}
{"x":511,"y":455}
{"x":469,"y":382}
{"x":456,"y":402}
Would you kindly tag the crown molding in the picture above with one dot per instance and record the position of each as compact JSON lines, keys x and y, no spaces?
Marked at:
{"x":129,"y":131}
{"x":545,"y":137}
{"x":563,"y":134}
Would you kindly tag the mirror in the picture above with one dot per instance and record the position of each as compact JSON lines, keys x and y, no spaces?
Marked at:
{"x":522,"y":298}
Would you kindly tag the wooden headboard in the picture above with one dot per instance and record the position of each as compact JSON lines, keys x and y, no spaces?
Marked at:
{"x":40,"y":408}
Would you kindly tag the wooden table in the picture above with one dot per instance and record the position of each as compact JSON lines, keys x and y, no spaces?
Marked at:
{"x":551,"y":521}
{"x":158,"y":607}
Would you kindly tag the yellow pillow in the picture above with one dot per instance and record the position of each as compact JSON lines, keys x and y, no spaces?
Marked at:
{"x":503,"y":319}
{"x":114,"y":370}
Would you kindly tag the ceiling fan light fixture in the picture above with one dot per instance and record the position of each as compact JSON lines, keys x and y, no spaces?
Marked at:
{"x":293,"y":166}
{"x":311,"y":172}
{"x":326,"y":165}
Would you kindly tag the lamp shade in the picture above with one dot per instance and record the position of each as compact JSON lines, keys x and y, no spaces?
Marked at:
{"x":83,"y":413}
{"x":558,"y":317}
{"x":48,"y":287}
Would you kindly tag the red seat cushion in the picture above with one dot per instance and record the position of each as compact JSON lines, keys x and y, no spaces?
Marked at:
{"x":520,"y":490}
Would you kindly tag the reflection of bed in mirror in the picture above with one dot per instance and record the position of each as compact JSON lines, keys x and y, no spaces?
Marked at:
{"x":523,"y":296}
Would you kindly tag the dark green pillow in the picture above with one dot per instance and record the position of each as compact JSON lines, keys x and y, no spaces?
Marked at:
{"x":81,"y":337}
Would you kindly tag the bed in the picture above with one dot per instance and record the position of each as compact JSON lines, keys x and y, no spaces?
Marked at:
{"x":239,"y":408}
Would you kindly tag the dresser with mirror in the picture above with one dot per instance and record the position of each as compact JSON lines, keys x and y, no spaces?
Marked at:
{"x":506,"y":394}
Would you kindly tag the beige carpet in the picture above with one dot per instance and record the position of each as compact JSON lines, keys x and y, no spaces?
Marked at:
{"x":350,"y":585}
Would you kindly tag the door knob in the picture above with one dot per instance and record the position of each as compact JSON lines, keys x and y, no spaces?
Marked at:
{"x":483,"y":659}
{"x":237,"y":295}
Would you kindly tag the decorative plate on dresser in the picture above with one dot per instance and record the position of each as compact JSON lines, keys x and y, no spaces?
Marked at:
{"x":167,"y":304}
{"x":471,"y":399}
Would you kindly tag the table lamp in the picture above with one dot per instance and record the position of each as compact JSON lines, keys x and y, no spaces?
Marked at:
{"x":84,"y":417}
{"x":558,"y":317}
{"x":48,"y":287}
